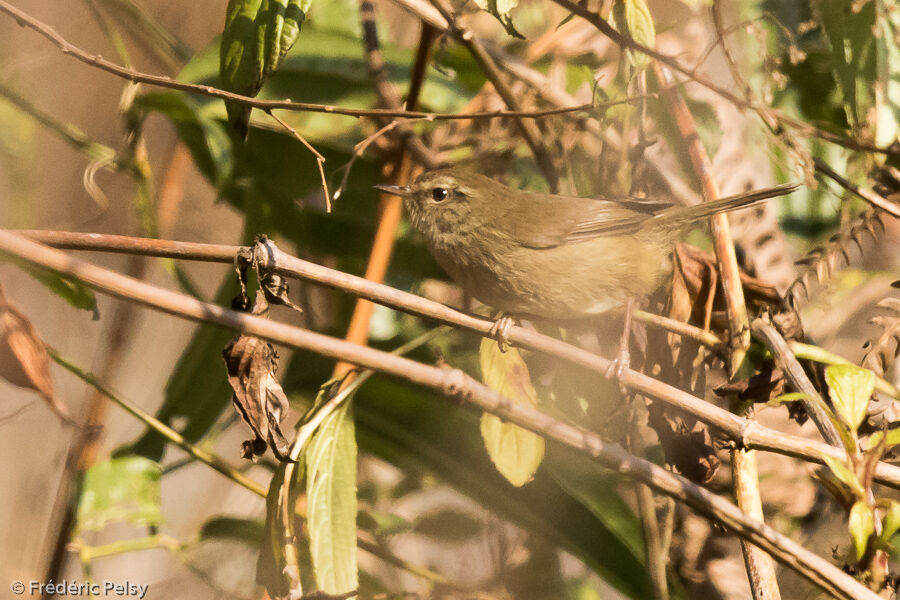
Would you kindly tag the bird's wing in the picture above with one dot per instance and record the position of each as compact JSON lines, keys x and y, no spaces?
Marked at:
{"x":568,"y":220}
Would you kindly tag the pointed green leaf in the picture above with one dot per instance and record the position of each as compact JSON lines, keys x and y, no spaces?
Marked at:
{"x":850,"y":388}
{"x":849,"y":30}
{"x":844,"y":475}
{"x":861,"y":526}
{"x":785,"y":398}
{"x":71,"y":290}
{"x":120,"y":489}
{"x":502,"y":9}
{"x":891,"y":522}
{"x":516,"y":452}
{"x":331,"y":494}
{"x":256,"y":37}
{"x":285,"y":19}
{"x":633,"y":18}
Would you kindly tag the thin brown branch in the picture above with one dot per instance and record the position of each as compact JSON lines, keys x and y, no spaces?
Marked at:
{"x":744,"y":432}
{"x":876,"y":200}
{"x":788,"y":363}
{"x":529,"y":129}
{"x":26,"y":20}
{"x":735,"y":306}
{"x":320,"y":160}
{"x":760,"y":566}
{"x":453,"y":383}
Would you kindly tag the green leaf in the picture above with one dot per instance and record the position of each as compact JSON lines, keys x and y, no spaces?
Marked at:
{"x":516,"y":452}
{"x":285,"y":19}
{"x":448,"y":525}
{"x":198,"y":128}
{"x":120,"y":489}
{"x":861,"y":525}
{"x":502,"y":9}
{"x":887,"y":82}
{"x":849,"y":30}
{"x":251,"y":531}
{"x":891,"y":522}
{"x":633,"y":18}
{"x":257,"y":35}
{"x":595,"y":488}
{"x":331,"y":496}
{"x":844,"y":475}
{"x":785,"y":398}
{"x":71,"y":290}
{"x":850,"y":388}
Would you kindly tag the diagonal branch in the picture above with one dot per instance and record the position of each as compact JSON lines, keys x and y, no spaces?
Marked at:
{"x":744,"y":432}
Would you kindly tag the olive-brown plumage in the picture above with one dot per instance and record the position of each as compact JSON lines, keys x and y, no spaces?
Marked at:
{"x":545,"y":255}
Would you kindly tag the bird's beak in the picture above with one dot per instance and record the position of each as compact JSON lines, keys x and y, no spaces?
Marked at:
{"x":396,"y":190}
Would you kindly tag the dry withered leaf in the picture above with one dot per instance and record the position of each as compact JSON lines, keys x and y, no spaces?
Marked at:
{"x":687,"y":446}
{"x":23,"y":357}
{"x":258,"y":397}
{"x":762,"y":387}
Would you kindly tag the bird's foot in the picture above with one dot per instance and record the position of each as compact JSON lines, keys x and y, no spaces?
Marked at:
{"x":500,"y":331}
{"x":619,"y":365}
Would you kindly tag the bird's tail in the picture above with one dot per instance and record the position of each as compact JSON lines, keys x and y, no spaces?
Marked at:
{"x":686,"y":214}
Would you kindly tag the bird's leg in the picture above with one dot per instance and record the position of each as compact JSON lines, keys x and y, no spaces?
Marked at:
{"x":623,"y":359}
{"x":500,"y":329}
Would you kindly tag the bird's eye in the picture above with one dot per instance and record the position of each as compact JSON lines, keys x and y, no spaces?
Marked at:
{"x":439,"y":194}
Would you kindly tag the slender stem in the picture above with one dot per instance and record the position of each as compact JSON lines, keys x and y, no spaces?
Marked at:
{"x":735,"y":306}
{"x":390,"y":206}
{"x":785,"y":359}
{"x":69,"y":133}
{"x":747,"y":433}
{"x":823,"y":356}
{"x":26,"y":20}
{"x":876,"y":200}
{"x":760,"y":566}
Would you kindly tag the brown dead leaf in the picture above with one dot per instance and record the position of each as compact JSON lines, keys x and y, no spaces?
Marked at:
{"x":762,"y":387}
{"x":258,"y":397}
{"x":687,"y":444}
{"x":23,"y":357}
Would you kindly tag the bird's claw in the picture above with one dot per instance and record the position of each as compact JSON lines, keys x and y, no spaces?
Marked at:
{"x":500,"y":331}
{"x":619,"y":366}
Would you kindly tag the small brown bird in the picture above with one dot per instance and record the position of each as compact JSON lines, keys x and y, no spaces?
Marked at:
{"x":550,"y":256}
